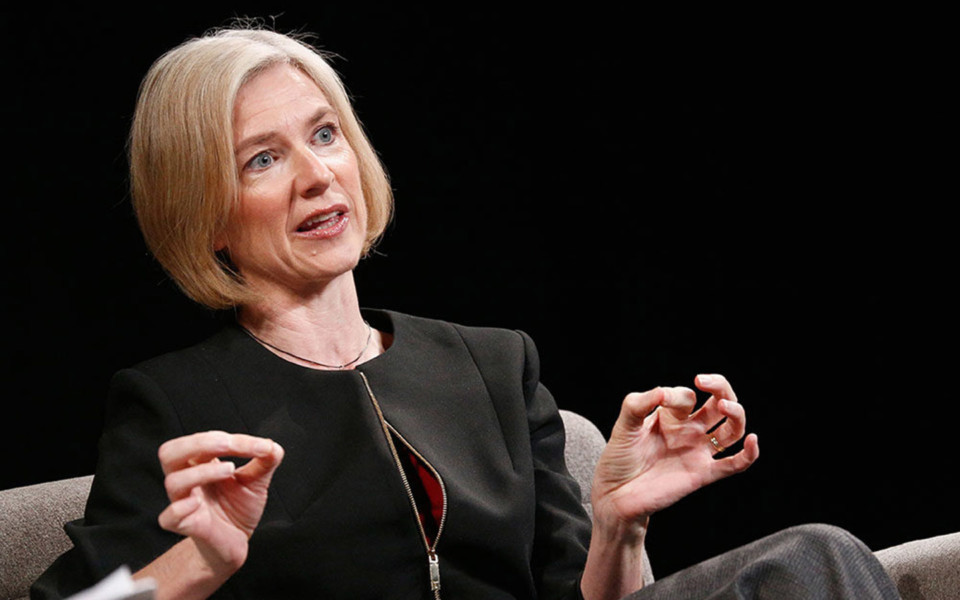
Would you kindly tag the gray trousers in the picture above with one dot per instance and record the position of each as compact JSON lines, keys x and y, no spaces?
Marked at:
{"x":808,"y":561}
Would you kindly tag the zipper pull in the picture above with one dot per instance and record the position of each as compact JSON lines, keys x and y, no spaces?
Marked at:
{"x":434,"y":572}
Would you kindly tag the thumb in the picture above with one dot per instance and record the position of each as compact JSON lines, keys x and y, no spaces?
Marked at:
{"x":635,"y":409}
{"x":679,"y":402}
{"x":262,"y":465}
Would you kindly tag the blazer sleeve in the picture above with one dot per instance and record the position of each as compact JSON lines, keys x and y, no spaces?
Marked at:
{"x":120,"y":526}
{"x":562,"y":527}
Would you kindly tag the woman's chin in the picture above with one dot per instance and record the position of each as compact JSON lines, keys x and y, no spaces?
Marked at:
{"x":306,"y":280}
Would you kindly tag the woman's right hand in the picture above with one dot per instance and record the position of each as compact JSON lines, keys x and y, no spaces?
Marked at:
{"x":214,"y":503}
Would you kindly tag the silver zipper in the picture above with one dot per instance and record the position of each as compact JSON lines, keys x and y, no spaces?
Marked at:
{"x":433,"y":560}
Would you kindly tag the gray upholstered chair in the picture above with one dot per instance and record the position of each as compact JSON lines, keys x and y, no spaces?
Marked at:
{"x":32,"y":518}
{"x":31,"y":529}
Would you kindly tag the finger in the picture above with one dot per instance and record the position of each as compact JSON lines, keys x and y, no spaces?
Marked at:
{"x":735,"y":425}
{"x":709,"y":415}
{"x":715,"y":384}
{"x":262,"y":466}
{"x":202,"y":447}
{"x":635,"y":408}
{"x":172,"y":517}
{"x":679,"y":402}
{"x":740,"y":461}
{"x":180,"y":483}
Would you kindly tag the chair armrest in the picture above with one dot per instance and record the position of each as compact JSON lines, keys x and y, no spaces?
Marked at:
{"x":31,"y":529}
{"x":927,"y":569}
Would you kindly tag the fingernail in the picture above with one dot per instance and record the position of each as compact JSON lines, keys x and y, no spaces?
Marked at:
{"x":263,"y":447}
{"x":705,"y":379}
{"x":227,"y":468}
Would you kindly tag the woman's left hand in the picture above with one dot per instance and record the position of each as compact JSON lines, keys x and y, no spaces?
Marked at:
{"x":660,"y":451}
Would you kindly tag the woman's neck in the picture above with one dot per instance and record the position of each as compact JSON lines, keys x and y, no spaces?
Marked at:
{"x":323,"y":327}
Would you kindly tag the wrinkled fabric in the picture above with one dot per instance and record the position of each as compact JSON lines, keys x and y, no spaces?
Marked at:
{"x":809,"y":562}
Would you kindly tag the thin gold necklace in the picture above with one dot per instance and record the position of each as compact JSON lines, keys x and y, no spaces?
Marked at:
{"x":314,"y":362}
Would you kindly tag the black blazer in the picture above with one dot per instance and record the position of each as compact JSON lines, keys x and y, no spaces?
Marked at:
{"x":338,"y":522}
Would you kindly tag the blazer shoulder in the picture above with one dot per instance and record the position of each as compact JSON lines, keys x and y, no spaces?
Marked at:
{"x":481,"y":341}
{"x":475,"y":333}
{"x":187,"y":369}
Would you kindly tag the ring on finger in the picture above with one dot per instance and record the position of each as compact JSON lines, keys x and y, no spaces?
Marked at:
{"x":716,"y":444}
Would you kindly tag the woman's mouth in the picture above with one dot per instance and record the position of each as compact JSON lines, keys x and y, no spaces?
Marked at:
{"x":320,"y":221}
{"x":324,"y":224}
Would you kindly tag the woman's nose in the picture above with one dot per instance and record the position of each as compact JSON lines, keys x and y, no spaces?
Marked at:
{"x":313,"y":174}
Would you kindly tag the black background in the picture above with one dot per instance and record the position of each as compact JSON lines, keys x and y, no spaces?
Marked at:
{"x":649,"y":196}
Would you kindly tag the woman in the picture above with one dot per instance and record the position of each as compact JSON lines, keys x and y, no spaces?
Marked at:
{"x":314,"y":449}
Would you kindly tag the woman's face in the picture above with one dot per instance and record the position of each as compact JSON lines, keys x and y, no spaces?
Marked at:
{"x":301,"y":221}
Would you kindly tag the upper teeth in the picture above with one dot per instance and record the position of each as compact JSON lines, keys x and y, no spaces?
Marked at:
{"x":319,"y":219}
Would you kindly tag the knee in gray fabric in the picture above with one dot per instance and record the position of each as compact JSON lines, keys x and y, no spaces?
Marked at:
{"x":806,"y":561}
{"x":825,"y":539}
{"x":812,"y":562}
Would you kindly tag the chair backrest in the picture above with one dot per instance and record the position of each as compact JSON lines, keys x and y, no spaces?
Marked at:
{"x":31,"y":529}
{"x":32,"y":517}
{"x":585,"y":444}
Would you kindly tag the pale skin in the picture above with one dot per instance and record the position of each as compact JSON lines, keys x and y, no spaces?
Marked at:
{"x":658,"y":451}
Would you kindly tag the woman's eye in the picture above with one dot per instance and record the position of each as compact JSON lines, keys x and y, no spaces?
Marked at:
{"x":260,"y":161}
{"x":324,"y":135}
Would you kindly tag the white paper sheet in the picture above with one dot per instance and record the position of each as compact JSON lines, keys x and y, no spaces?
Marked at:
{"x":119,"y":585}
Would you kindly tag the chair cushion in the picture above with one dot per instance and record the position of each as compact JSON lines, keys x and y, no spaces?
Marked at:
{"x":31,"y":529}
{"x":927,"y":569}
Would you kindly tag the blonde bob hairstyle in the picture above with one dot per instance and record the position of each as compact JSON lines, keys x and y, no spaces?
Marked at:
{"x":183,"y":173}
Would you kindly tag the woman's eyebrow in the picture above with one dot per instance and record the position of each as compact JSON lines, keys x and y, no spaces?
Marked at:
{"x":321,"y":114}
{"x":255,"y":140}
{"x":263,"y":138}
